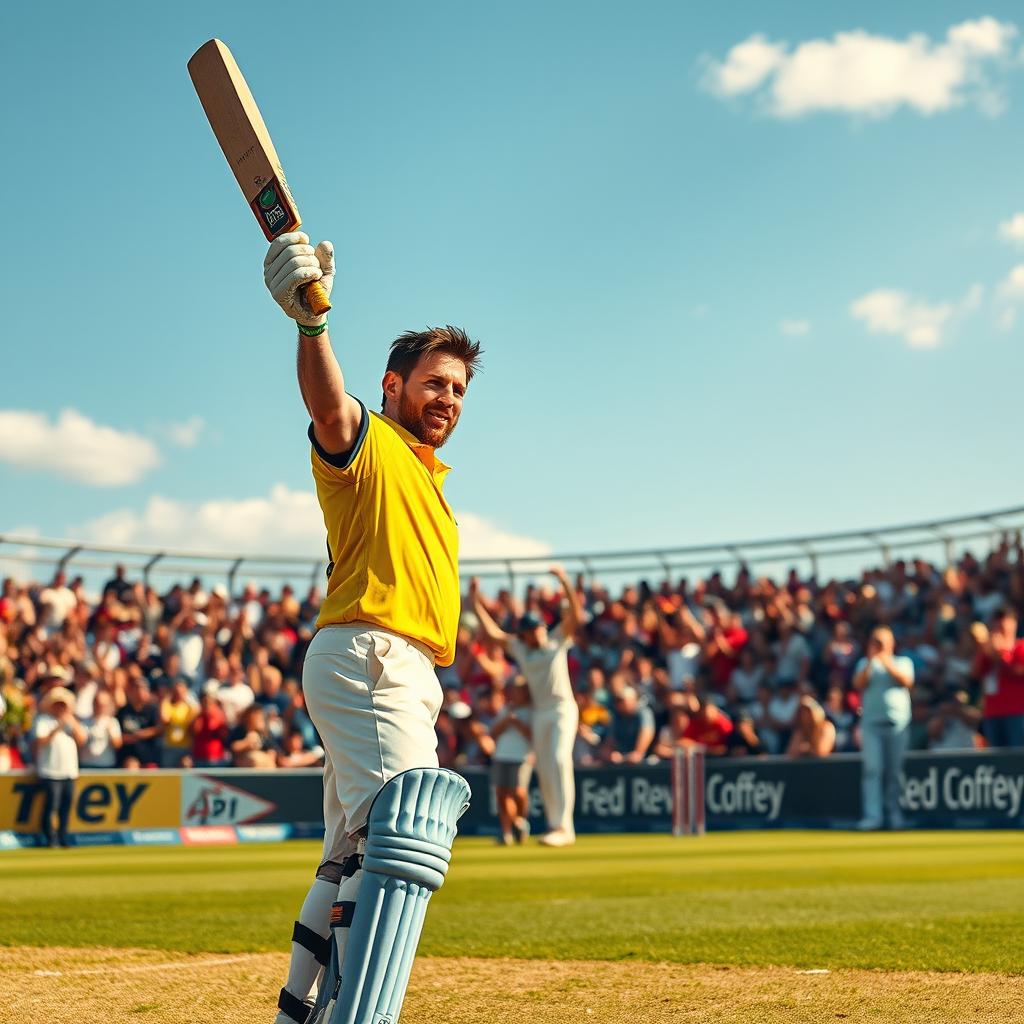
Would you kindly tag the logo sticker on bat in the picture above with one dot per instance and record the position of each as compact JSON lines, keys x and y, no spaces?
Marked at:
{"x":272,"y":209}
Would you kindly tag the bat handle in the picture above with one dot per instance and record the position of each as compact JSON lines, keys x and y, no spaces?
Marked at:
{"x":316,"y":298}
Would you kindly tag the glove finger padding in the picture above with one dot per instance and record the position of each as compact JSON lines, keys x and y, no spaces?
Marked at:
{"x":292,"y":263}
{"x":282,"y":242}
{"x":282,"y":274}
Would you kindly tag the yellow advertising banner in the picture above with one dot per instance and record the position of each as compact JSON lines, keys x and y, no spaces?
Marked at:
{"x":100,"y":803}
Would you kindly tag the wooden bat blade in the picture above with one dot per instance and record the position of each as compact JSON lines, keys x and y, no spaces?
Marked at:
{"x":239,"y":128}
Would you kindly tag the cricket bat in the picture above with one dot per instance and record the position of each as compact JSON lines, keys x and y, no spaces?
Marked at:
{"x":238,"y":125}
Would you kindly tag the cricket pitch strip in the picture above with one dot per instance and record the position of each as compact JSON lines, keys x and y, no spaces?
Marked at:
{"x":140,"y":986}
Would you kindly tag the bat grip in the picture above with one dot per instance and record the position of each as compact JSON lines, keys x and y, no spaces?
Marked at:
{"x":316,"y":298}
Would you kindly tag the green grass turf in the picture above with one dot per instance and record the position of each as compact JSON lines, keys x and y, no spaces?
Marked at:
{"x":912,"y":900}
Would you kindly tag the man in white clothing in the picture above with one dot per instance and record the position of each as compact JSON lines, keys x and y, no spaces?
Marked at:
{"x":56,"y":737}
{"x":543,"y":659}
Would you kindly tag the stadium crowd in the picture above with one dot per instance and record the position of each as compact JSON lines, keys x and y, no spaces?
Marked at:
{"x":191,"y":677}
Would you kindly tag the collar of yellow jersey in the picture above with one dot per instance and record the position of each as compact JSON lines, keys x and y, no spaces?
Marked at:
{"x":424,"y":452}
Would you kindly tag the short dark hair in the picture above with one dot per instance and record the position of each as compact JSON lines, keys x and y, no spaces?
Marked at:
{"x":408,"y":348}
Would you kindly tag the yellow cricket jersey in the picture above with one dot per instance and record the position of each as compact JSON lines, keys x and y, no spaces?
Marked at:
{"x":392,"y":536}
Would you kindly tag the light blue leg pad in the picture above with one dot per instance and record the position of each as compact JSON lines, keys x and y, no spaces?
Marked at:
{"x":327,"y":990}
{"x":410,"y":832}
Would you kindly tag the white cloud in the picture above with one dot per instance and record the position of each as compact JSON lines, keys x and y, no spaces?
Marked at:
{"x":1006,"y":319}
{"x":75,"y":447}
{"x":284,"y":522}
{"x":1009,"y":298}
{"x":1012,"y":287}
{"x":1012,"y":230}
{"x":794,"y":328}
{"x":480,"y":538}
{"x":859,"y":73}
{"x":748,"y":64}
{"x":186,"y":434}
{"x":889,"y":311}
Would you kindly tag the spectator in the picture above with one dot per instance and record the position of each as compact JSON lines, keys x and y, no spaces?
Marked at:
{"x":841,"y":716}
{"x":672,"y":736}
{"x":511,"y":763}
{"x":209,"y":731}
{"x":632,"y":729}
{"x":709,"y":727}
{"x":813,"y":734}
{"x":103,"y":734}
{"x":781,"y":715}
{"x":189,"y":639}
{"x":56,"y":603}
{"x":885,"y":680}
{"x":1003,"y":675}
{"x":954,"y":724}
{"x":746,"y":679}
{"x":176,"y":715}
{"x":118,"y":584}
{"x":744,"y":741}
{"x":250,"y":742}
{"x":140,"y":727}
{"x":56,"y":737}
{"x":794,"y":654}
{"x":235,"y":695}
{"x":593,"y":728}
{"x":294,"y":754}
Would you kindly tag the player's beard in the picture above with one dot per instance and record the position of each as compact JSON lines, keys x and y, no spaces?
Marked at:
{"x":415,"y":421}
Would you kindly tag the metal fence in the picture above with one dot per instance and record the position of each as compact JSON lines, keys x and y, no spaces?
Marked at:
{"x":943,"y":538}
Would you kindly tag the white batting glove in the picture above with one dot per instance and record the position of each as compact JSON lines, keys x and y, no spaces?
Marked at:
{"x":292,"y":263}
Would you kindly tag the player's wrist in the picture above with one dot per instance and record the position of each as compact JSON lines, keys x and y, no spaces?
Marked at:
{"x":313,"y":330}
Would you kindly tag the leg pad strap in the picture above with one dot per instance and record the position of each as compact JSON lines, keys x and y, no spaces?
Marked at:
{"x":319,"y":946}
{"x":294,"y":1006}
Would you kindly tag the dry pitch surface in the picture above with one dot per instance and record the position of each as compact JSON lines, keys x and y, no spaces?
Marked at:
{"x":121,"y":986}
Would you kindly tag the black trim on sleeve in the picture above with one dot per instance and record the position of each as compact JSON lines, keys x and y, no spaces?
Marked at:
{"x":342,"y":460}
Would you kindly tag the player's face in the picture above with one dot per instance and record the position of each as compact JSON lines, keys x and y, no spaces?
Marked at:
{"x":534,"y":638}
{"x":429,"y":403}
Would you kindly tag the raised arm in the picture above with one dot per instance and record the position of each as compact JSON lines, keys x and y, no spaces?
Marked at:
{"x":491,"y":629}
{"x":336,"y":415}
{"x":574,"y":610}
{"x":292,"y":263}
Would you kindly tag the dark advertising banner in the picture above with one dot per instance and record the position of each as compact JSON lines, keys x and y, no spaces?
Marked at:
{"x":969,"y":790}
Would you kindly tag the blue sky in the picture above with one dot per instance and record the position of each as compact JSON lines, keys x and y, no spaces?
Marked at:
{"x":723,"y":292}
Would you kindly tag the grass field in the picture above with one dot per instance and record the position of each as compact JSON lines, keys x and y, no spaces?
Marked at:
{"x":615,"y":928}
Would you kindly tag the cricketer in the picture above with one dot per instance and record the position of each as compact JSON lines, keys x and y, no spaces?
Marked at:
{"x":389,"y":616}
{"x":543,"y":658}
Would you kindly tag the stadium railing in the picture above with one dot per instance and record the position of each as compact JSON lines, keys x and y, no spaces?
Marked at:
{"x":945,"y":537}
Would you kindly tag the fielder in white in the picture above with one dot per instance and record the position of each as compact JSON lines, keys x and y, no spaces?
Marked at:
{"x":543,"y":659}
{"x":390,"y":614}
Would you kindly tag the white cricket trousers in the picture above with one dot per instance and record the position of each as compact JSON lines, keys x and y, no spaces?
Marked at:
{"x":374,"y":697}
{"x":554,"y":735}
